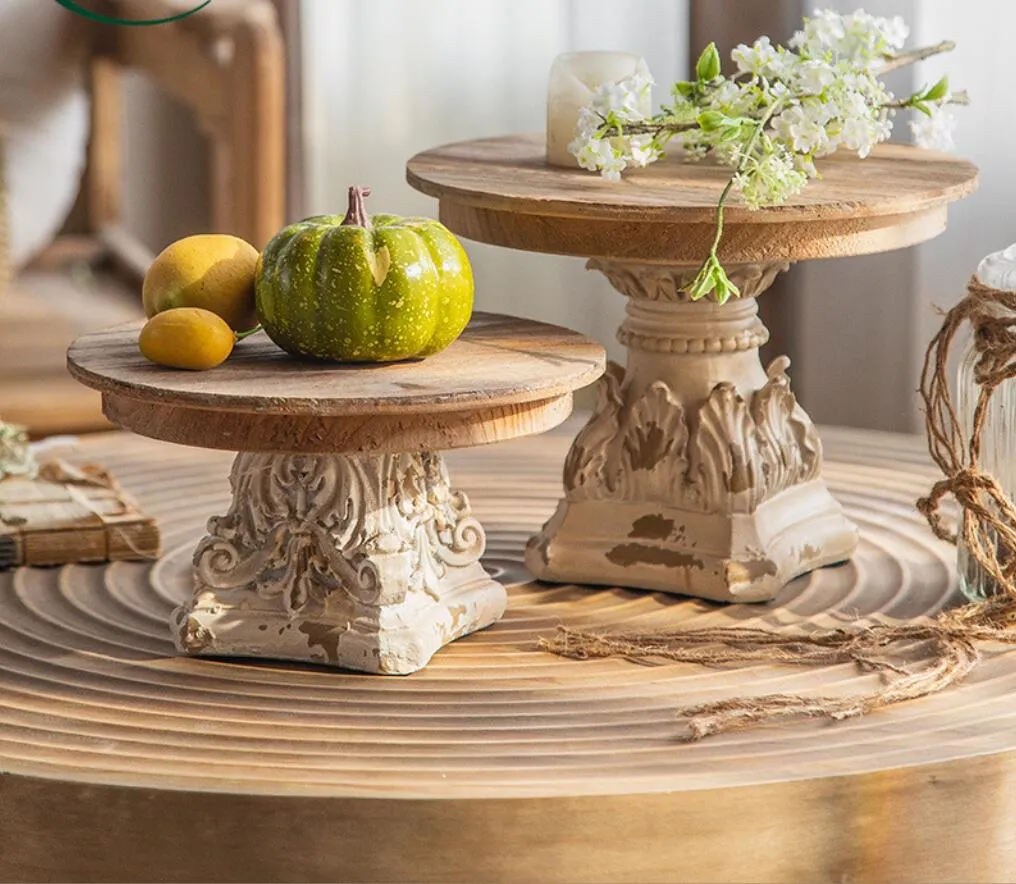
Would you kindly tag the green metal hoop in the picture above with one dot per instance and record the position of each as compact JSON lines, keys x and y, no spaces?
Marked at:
{"x":109,"y":20}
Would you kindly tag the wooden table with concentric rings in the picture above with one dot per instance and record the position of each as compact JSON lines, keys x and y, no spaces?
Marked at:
{"x":125,"y":761}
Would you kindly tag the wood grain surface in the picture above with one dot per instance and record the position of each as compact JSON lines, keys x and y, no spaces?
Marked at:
{"x":501,"y":191}
{"x":504,"y":377}
{"x":125,"y":761}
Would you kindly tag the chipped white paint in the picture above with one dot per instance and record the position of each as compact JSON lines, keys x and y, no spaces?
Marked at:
{"x":368,"y":562}
{"x":699,"y":473}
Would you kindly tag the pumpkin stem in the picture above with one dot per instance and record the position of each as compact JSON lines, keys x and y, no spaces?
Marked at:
{"x":357,"y":214}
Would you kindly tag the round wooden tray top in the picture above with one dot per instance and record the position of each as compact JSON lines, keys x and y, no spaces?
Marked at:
{"x":504,"y":377}
{"x":502,"y":191}
{"x":126,"y":761}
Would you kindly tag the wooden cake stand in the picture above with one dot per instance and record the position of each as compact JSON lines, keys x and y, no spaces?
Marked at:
{"x":699,"y":473}
{"x":344,"y":542}
{"x":123,"y":760}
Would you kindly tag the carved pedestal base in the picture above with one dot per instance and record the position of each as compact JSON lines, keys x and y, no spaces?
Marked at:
{"x":368,"y":562}
{"x":734,"y":557}
{"x":699,"y":473}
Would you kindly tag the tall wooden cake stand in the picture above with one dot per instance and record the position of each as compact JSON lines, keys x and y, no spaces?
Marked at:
{"x":699,"y":473}
{"x":344,"y":543}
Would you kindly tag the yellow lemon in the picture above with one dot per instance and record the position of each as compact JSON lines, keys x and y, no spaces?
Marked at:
{"x":186,"y":337}
{"x":212,"y":271}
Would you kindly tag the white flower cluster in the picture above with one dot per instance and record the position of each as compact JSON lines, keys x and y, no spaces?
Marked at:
{"x":935,"y":131}
{"x":828,"y":89}
{"x":860,"y":38}
{"x":817,"y":96}
{"x":849,"y":112}
{"x":784,"y":108}
{"x":769,"y":179}
{"x":615,"y":103}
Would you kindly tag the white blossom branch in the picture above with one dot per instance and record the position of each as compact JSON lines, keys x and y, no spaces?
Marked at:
{"x":893,"y":62}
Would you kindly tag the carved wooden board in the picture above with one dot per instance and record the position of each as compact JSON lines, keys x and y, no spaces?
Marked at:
{"x":505,"y":377}
{"x":501,"y":191}
{"x":125,"y":761}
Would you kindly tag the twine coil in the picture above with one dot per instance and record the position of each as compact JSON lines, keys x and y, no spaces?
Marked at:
{"x":946,"y":647}
{"x":989,"y":521}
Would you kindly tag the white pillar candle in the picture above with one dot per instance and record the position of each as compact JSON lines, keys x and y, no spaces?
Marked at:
{"x":573,"y":77}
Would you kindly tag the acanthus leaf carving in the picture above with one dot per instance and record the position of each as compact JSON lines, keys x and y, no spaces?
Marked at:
{"x":724,"y":457}
{"x":658,"y":282}
{"x":775,"y":407}
{"x":728,"y":455}
{"x":588,"y":461}
{"x":357,"y":531}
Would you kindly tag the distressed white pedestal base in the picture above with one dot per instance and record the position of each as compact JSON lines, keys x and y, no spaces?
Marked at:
{"x":740,"y":557}
{"x":367,"y":562}
{"x":698,"y":473}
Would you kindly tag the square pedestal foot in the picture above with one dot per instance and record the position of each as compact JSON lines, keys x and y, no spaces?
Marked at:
{"x":368,"y":562}
{"x":738,"y":557}
{"x":397,"y":640}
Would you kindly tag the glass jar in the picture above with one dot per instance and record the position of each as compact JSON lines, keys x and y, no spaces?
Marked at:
{"x":998,"y":440}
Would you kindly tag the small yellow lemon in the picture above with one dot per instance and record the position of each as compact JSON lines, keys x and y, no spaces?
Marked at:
{"x":186,"y":337}
{"x":212,"y":271}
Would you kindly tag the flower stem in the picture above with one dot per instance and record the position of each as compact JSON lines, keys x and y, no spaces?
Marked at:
{"x":720,"y":204}
{"x":649,"y":128}
{"x":892,"y":62}
{"x":962,"y":98}
{"x":749,"y":148}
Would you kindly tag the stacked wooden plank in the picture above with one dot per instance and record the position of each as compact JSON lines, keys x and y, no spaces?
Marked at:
{"x":71,"y":514}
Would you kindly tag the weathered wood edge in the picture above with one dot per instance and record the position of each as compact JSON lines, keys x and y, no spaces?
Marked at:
{"x":586,"y":369}
{"x":329,"y":434}
{"x":544,"y":205}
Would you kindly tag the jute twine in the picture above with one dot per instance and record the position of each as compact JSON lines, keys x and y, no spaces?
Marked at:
{"x":915,"y":659}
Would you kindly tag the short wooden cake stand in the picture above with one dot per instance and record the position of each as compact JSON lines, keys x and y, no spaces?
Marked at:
{"x":345,"y":543}
{"x":699,"y":473}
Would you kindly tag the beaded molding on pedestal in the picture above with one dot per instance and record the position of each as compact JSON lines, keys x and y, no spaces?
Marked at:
{"x":680,"y":481}
{"x":368,"y":562}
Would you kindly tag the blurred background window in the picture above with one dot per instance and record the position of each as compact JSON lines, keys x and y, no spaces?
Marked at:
{"x":188,"y":123}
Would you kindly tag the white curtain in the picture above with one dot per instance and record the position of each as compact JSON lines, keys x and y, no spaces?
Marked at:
{"x":385,"y":79}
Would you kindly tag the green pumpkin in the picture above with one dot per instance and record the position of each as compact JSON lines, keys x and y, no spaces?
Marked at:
{"x":360,"y":289}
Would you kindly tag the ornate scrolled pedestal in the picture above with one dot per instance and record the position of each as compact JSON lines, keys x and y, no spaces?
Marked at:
{"x":369,"y":562}
{"x":345,"y":543}
{"x":698,"y":473}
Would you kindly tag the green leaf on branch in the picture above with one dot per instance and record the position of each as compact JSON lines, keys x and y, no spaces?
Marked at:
{"x":937,"y":92}
{"x":612,"y":124}
{"x":714,"y":120}
{"x":712,"y":280}
{"x":684,"y":88}
{"x":707,"y":67}
{"x":730,"y":133}
{"x":725,"y":289}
